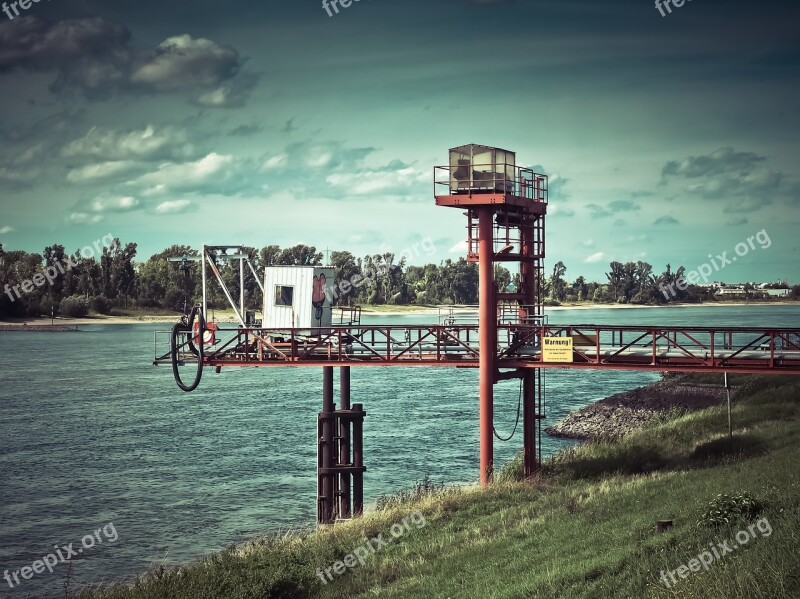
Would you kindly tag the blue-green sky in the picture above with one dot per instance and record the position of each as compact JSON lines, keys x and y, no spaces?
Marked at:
{"x":259,"y":122}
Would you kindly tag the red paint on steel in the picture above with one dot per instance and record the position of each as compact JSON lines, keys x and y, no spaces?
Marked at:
{"x":487,"y":324}
{"x":325,"y":510}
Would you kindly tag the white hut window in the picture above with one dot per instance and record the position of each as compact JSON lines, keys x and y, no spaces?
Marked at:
{"x":283,"y":295}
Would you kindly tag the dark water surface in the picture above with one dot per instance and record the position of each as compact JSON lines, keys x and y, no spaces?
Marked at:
{"x":91,"y":433}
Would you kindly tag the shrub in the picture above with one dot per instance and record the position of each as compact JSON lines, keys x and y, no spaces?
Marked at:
{"x":726,"y":509}
{"x":74,"y":305}
{"x":101,"y":304}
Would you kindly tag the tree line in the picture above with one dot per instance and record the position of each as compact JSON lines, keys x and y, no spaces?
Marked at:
{"x":115,"y":279}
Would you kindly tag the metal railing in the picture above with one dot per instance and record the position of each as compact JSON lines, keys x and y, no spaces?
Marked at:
{"x":453,"y":344}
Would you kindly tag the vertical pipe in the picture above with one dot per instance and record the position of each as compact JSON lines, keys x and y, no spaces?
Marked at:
{"x":529,"y":287}
{"x":344,"y":442}
{"x":728,"y":393}
{"x":241,"y":289}
{"x":203,"y":267}
{"x":487,"y":325}
{"x":326,"y":515}
{"x":529,"y":421}
{"x":358,"y":461}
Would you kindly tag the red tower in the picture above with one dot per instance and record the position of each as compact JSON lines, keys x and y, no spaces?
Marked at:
{"x":505,"y":208}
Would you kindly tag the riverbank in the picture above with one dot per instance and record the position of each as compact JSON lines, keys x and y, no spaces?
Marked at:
{"x":38,"y":328}
{"x":228,"y":316}
{"x":587,"y":523}
{"x":617,"y":415}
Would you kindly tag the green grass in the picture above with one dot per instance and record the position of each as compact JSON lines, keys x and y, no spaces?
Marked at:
{"x":584,"y":528}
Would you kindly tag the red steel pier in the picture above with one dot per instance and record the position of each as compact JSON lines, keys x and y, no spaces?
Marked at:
{"x":505,"y":206}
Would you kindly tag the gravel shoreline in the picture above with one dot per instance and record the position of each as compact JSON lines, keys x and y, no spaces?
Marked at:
{"x":38,"y":328}
{"x":619,"y":414}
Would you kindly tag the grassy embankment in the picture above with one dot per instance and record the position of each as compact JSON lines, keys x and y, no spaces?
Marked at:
{"x":585,"y":529}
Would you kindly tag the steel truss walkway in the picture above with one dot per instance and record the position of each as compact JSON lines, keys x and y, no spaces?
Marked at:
{"x":730,"y":349}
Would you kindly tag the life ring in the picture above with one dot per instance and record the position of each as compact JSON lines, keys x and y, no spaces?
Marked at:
{"x":209,"y":333}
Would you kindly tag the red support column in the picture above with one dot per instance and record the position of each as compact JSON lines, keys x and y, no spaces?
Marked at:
{"x":326,"y":510}
{"x":530,"y":427}
{"x":488,"y":333}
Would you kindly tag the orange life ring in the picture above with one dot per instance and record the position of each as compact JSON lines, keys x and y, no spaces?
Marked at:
{"x":209,"y":335}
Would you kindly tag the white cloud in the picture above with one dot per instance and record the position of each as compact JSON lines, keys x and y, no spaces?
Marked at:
{"x":6,"y":230}
{"x":100,"y":171}
{"x":82,"y":218}
{"x":212,"y":168}
{"x":594,"y":258}
{"x":174,"y":207}
{"x":135,"y":144}
{"x":369,"y":182}
{"x":218,"y":97}
{"x":182,"y":61}
{"x":275,"y":162}
{"x":114,"y":204}
{"x":459,"y":248}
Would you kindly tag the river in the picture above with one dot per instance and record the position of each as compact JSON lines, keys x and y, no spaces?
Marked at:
{"x":92,"y":433}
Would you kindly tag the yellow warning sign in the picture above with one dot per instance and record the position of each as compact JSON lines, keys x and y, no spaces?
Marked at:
{"x":557,"y":349}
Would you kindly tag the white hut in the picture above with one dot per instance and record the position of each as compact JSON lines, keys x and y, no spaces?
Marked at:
{"x":297,"y":297}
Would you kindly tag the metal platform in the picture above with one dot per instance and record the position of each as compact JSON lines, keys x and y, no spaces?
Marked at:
{"x":735,"y":349}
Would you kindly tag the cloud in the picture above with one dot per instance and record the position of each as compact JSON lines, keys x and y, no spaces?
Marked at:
{"x":175,"y":207}
{"x":459,"y":247}
{"x":101,"y":171}
{"x":746,"y":205}
{"x":96,"y":58}
{"x":724,"y":160}
{"x":114,"y":204}
{"x":394,"y":178}
{"x":83,"y":218}
{"x":623,"y":206}
{"x":594,"y":258}
{"x":597,"y":211}
{"x":559,"y":210}
{"x":5,"y":230}
{"x":146,"y":144}
{"x":275,"y":162}
{"x":666,"y":220}
{"x":737,"y":220}
{"x":741,"y":180}
{"x":181,"y":62}
{"x":213,"y":174}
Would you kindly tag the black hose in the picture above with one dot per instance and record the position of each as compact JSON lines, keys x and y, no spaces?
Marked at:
{"x":182,"y":327}
{"x":516,"y":423}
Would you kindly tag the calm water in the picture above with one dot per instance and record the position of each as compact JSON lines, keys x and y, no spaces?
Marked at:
{"x":91,"y":433}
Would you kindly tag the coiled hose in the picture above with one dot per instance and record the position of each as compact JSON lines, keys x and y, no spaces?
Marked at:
{"x":187,"y":327}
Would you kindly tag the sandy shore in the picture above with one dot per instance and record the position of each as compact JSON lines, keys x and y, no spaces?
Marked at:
{"x":227,"y":317}
{"x":615,"y":416}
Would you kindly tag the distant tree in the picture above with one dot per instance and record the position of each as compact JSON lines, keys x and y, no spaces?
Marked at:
{"x":300,"y":255}
{"x":557,"y":282}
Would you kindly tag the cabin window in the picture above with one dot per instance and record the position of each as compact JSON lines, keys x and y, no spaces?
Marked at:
{"x":283,"y":295}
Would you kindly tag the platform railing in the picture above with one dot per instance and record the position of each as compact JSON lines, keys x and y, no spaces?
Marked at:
{"x":518,"y":345}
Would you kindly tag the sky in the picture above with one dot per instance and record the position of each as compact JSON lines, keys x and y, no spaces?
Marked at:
{"x":668,"y":139}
